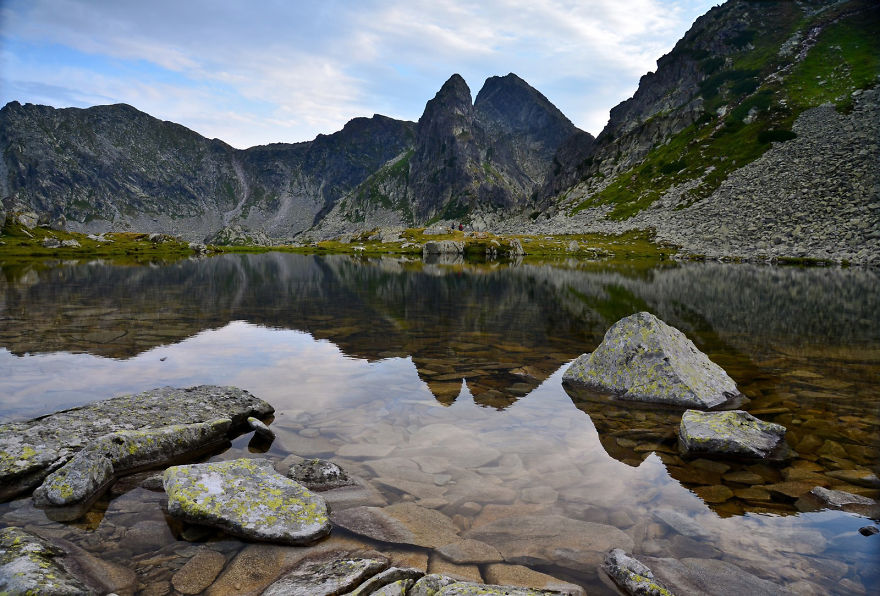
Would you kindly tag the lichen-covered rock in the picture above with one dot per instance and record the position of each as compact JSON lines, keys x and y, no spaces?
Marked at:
{"x":93,"y":468}
{"x":825,"y":498}
{"x":473,"y":589}
{"x":735,"y":432}
{"x":30,"y":450}
{"x":641,"y":358}
{"x":326,"y":575}
{"x":443,"y":247}
{"x":631,"y":575}
{"x":30,"y":565}
{"x":430,"y":585}
{"x":247,"y":498}
{"x":319,"y":475}
{"x":386,"y":578}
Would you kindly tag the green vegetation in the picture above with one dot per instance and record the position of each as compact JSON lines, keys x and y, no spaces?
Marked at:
{"x":18,"y":242}
{"x":755,"y":109}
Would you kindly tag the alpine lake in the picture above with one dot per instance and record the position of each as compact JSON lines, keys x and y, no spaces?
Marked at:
{"x":441,"y":384}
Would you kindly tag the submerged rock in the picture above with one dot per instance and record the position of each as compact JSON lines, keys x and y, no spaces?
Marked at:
{"x":710,"y":576}
{"x":319,"y":475}
{"x":641,"y":358}
{"x":94,"y":468}
{"x":403,"y":523}
{"x":247,"y":498}
{"x":631,"y":575}
{"x":30,"y":450}
{"x":825,"y":498}
{"x":30,"y":565}
{"x":260,"y":428}
{"x":735,"y":432}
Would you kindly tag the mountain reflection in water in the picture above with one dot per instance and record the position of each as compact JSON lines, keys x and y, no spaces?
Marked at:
{"x":412,"y":356}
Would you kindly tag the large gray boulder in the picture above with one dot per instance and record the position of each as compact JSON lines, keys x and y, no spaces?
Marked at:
{"x":631,"y":575}
{"x":735,"y":433}
{"x":443,"y":247}
{"x":31,"y":449}
{"x":30,"y":565}
{"x":643,"y":359}
{"x":94,"y":468}
{"x":247,"y":498}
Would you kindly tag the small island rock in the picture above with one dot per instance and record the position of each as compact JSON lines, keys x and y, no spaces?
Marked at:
{"x":735,"y":432}
{"x":319,"y":475}
{"x":641,"y":358}
{"x":247,"y":498}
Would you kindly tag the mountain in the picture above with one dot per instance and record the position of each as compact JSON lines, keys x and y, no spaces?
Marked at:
{"x":756,"y":137}
{"x":114,"y":167}
{"x":489,"y":156}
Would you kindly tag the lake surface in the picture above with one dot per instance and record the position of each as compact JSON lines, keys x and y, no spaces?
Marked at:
{"x":441,"y":385}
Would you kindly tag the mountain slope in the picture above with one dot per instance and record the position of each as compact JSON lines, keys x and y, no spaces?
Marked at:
{"x":116,"y":168}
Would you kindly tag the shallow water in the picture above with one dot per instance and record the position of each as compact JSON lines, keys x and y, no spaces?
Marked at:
{"x":442,"y":385}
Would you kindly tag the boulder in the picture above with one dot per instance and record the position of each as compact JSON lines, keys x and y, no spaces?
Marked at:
{"x":443,"y":247}
{"x":50,"y":242}
{"x":31,"y":449}
{"x":247,"y":498}
{"x":430,"y":585}
{"x":326,"y":575}
{"x":94,"y":468}
{"x":30,"y":565}
{"x":319,"y":475}
{"x":733,"y":433}
{"x":260,"y":428}
{"x":70,"y":243}
{"x":643,"y":359}
{"x":631,"y":575}
{"x":26,"y":219}
{"x":825,"y":498}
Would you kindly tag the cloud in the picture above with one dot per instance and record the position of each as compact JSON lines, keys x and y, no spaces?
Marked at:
{"x":287,"y":71}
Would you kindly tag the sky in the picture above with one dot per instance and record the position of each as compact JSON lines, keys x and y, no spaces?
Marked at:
{"x":267,"y":71}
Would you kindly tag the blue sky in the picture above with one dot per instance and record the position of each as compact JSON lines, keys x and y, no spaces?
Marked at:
{"x":283,"y":71}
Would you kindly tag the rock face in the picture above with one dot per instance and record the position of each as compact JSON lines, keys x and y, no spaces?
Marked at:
{"x":736,"y":433}
{"x":641,"y":358}
{"x":631,"y":575}
{"x":93,"y":468}
{"x":30,"y":565}
{"x":30,"y":450}
{"x":246,"y":498}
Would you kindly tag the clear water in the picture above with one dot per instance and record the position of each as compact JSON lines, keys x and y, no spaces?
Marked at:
{"x":442,"y":385}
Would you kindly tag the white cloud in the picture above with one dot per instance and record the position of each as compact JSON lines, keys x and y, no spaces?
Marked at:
{"x":284,"y":72}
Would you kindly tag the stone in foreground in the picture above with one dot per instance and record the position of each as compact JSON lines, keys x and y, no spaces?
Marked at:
{"x":247,"y":498}
{"x":643,"y":359}
{"x":30,"y":565}
{"x":733,"y":433}
{"x":326,"y":575}
{"x":473,"y":589}
{"x":631,"y":575}
{"x":94,"y":468}
{"x":30,"y":450}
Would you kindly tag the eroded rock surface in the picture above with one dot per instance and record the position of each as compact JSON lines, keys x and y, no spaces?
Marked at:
{"x":30,"y":450}
{"x":641,"y":358}
{"x":95,"y":467}
{"x":735,"y":433}
{"x":247,"y":498}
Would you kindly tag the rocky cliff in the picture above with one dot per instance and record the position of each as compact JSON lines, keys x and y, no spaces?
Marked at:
{"x":116,"y":168}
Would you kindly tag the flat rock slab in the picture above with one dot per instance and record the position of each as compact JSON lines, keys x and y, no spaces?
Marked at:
{"x":326,"y":575}
{"x":643,"y":359}
{"x":631,"y":575}
{"x":247,"y":498}
{"x":734,"y":433}
{"x":30,"y":450}
{"x":710,"y":576}
{"x":101,"y":461}
{"x":551,"y":540}
{"x":825,"y":498}
{"x":403,"y":523}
